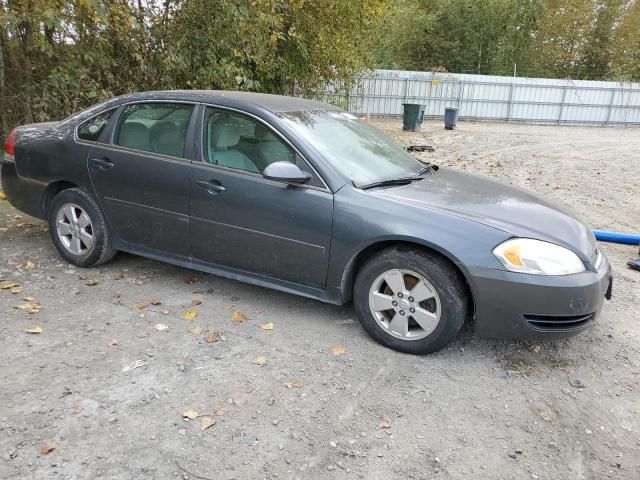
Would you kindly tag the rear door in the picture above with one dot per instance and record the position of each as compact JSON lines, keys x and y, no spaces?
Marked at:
{"x":142,"y":177}
{"x":241,"y":220}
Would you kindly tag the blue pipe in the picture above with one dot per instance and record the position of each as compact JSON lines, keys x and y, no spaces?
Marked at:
{"x":626,"y":238}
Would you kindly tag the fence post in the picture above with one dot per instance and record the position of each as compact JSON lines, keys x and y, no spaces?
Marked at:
{"x":613,"y":96}
{"x":510,"y":101}
{"x":564,"y":97}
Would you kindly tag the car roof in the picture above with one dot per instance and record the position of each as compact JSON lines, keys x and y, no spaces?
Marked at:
{"x":272,"y":103}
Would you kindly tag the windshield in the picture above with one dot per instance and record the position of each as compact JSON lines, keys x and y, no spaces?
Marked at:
{"x":353,"y":147}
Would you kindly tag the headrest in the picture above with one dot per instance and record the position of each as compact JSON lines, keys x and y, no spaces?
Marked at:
{"x":164,"y":132}
{"x":224,"y":136}
{"x":262,"y":132}
{"x":134,"y":135}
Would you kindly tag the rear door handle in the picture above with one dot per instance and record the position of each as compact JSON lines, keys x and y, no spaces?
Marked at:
{"x":214,"y":187}
{"x":102,"y":163}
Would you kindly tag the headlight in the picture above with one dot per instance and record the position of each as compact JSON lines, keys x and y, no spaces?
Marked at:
{"x":526,"y":255}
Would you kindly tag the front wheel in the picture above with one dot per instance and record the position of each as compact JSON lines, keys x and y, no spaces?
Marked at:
{"x":410,"y":300}
{"x":78,"y":229}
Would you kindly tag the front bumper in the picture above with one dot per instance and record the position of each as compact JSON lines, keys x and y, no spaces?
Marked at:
{"x":522,"y":306}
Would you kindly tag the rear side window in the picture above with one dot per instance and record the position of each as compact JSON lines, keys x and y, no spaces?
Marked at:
{"x":154,"y":127}
{"x":93,"y":128}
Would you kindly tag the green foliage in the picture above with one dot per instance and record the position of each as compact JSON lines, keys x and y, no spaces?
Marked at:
{"x":62,"y":55}
{"x":581,"y":39}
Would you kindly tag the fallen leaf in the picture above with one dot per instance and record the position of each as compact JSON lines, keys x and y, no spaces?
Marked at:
{"x":91,"y":283}
{"x":214,"y":337}
{"x":118,"y":276}
{"x":260,"y":361}
{"x":30,"y":307}
{"x":266,"y":326}
{"x":7,"y":286}
{"x":155,"y":302}
{"x":337,"y":350}
{"x":140,"y":306}
{"x":30,"y":265}
{"x":77,"y":409}
{"x":189,"y":280}
{"x":294,"y":384}
{"x":240,"y":401}
{"x":133,"y":366}
{"x":207,"y":422}
{"x":195,"y":303}
{"x":238,"y":317}
{"x":16,"y":290}
{"x":220,"y":410}
{"x":164,"y":312}
{"x":190,"y":315}
{"x":114,"y":342}
{"x":534,"y":348}
{"x":139,"y":282}
{"x":197,"y":330}
{"x":190,"y":414}
{"x":161,"y":326}
{"x":116,"y":296}
{"x":47,"y":447}
{"x":385,"y":423}
{"x":29,"y":299}
{"x":3,"y":196}
{"x":34,"y":330}
{"x":546,"y":414}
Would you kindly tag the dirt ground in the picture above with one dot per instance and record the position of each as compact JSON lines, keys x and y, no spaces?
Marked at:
{"x":106,"y":386}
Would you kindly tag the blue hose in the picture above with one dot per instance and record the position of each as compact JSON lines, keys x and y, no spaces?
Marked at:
{"x":626,"y":238}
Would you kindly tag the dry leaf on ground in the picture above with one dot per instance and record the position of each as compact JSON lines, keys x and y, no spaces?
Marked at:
{"x":238,"y":317}
{"x":206,"y":423}
{"x":15,"y":290}
{"x":546,"y":414}
{"x":337,"y":350}
{"x":34,"y":330}
{"x":139,"y":282}
{"x":220,"y":410}
{"x":294,"y":384}
{"x":266,"y":326}
{"x":534,"y":348}
{"x":197,"y":330}
{"x":91,"y":283}
{"x":189,"y":280}
{"x":190,"y":414}
{"x":29,"y":299}
{"x":30,"y":265}
{"x":190,"y":315}
{"x":29,"y":307}
{"x":118,"y":276}
{"x":114,"y":342}
{"x":155,"y":302}
{"x":141,"y":306}
{"x":260,"y":361}
{"x":161,"y":326}
{"x":47,"y":447}
{"x":195,"y":303}
{"x":77,"y":409}
{"x":3,"y":196}
{"x":385,"y":422}
{"x":7,"y":286}
{"x":214,"y":337}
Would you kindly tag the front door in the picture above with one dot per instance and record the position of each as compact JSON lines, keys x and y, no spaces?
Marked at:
{"x":142,"y":178}
{"x":243,"y":221}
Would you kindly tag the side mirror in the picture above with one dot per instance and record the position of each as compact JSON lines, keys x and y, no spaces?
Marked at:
{"x":285,"y":172}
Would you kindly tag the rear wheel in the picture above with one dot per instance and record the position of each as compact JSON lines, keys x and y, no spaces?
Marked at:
{"x":78,"y":229}
{"x":410,"y":300}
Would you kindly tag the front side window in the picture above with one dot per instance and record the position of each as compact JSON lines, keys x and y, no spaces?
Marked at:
{"x":93,"y":128}
{"x":353,"y":147}
{"x":154,"y":127}
{"x":234,"y":140}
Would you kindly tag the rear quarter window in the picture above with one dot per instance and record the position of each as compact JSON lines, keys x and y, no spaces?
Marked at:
{"x":93,"y":128}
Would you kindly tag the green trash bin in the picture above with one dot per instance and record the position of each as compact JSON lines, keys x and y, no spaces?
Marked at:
{"x":412,"y":116}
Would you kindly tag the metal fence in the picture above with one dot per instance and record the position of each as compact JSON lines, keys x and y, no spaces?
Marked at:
{"x":480,"y":97}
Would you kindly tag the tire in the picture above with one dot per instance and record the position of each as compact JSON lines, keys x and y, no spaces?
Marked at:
{"x":75,"y":202}
{"x":441,"y":313}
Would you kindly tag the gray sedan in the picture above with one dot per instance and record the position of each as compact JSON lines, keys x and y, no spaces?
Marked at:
{"x":303,"y":197}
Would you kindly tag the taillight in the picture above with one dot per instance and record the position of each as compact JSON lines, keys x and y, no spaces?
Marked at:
{"x":9,"y":145}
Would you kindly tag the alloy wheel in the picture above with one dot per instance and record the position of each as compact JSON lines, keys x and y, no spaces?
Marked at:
{"x":405,"y":304}
{"x":74,"y":229}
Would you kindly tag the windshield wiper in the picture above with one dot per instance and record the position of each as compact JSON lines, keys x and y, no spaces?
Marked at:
{"x":390,"y":182}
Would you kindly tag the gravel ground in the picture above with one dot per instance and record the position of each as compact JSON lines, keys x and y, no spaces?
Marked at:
{"x":314,"y":397}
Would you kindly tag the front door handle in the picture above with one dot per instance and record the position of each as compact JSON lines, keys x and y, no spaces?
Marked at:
{"x":214,"y":187}
{"x":102,"y":163}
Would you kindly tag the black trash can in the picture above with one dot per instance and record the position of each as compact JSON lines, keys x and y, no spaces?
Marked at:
{"x":412,"y":115}
{"x":450,"y":118}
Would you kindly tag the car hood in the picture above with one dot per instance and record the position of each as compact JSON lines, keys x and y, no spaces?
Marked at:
{"x":505,"y":207}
